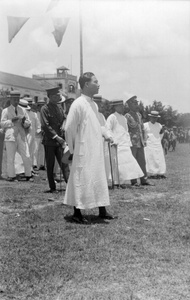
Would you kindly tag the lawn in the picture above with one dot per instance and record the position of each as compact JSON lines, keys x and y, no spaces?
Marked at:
{"x":142,"y":255}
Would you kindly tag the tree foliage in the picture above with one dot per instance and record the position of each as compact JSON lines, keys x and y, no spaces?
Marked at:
{"x":168,"y":116}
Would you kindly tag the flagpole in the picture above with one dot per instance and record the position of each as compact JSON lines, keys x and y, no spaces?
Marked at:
{"x":81,"y":40}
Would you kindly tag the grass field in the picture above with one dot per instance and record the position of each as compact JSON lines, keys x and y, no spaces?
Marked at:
{"x":142,"y":255}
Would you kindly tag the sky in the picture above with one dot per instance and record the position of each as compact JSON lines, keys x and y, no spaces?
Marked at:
{"x":133,"y":47}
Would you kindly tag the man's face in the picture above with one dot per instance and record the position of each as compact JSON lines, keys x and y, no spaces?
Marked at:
{"x":55,"y":98}
{"x":39,"y":106}
{"x":153,"y":119}
{"x":14,"y":101}
{"x":119,"y":108}
{"x":133,"y":105}
{"x":93,"y":86}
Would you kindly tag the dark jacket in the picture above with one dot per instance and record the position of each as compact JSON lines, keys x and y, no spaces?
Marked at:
{"x":52,"y":117}
{"x":136,"y":128}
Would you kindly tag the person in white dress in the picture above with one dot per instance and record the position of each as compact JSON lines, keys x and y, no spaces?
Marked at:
{"x":154,"y":154}
{"x":87,"y":185}
{"x":128,"y":167}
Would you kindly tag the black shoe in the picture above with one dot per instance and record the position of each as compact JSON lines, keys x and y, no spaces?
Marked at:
{"x":80,"y":219}
{"x":153,"y":177}
{"x":106,"y":216}
{"x":42,"y":168}
{"x":163,"y":176}
{"x":123,"y":186}
{"x":11,"y":179}
{"x":147,"y":183}
{"x":30,"y":178}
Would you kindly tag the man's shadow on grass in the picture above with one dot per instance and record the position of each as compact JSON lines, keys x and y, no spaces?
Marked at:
{"x":92,"y":220}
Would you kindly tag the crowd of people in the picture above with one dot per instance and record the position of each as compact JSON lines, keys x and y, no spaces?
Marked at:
{"x":94,"y":154}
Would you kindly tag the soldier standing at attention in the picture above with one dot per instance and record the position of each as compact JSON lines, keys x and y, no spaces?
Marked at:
{"x":52,"y":117}
{"x":136,"y":130}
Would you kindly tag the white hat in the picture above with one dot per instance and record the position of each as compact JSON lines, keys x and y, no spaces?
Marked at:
{"x":97,"y":98}
{"x":154,"y":114}
{"x":24,"y":103}
{"x":116,"y":102}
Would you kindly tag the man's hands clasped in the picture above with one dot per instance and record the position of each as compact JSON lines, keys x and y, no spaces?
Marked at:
{"x":18,"y":118}
{"x":61,"y":141}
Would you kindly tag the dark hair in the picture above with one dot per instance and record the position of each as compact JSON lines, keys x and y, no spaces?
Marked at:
{"x":85,"y":77}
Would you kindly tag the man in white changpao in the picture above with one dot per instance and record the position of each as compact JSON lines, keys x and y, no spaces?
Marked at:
{"x":87,"y":185}
{"x":154,"y":154}
{"x":117,"y":128}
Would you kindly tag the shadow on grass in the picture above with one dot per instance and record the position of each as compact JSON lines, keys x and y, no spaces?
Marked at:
{"x":91,"y":219}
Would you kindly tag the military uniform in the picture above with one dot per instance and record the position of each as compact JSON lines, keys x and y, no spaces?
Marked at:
{"x":52,"y":117}
{"x":136,"y":131}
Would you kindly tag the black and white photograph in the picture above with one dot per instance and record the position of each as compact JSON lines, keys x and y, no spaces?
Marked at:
{"x":95,"y":150}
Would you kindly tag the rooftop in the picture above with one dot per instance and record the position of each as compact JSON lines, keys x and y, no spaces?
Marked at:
{"x":22,"y":82}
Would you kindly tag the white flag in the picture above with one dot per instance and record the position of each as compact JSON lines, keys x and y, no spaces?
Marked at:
{"x":14,"y":25}
{"x":60,"y":25}
{"x":52,"y":4}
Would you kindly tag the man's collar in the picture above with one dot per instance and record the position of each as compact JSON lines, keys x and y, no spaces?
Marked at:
{"x":52,"y":103}
{"x":118,"y":113}
{"x":14,"y":106}
{"x":87,"y":97}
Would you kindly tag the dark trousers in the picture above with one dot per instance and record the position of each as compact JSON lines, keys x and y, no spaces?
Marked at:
{"x":52,"y":152}
{"x":2,"y":136}
{"x":138,"y":154}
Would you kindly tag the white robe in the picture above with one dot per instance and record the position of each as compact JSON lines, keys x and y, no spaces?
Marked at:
{"x":87,"y":184}
{"x":154,"y":154}
{"x":105,"y":144}
{"x":35,"y":129}
{"x":127,"y":165}
{"x":39,"y":153}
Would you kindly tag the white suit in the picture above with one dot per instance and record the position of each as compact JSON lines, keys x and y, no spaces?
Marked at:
{"x":15,"y":138}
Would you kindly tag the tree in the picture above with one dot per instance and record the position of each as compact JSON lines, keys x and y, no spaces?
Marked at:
{"x":183,"y":120}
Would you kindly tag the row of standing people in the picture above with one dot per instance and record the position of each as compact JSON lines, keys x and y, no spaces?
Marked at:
{"x":136,"y":150}
{"x":28,"y":129}
{"x":87,"y":182}
{"x":87,"y":131}
{"x":21,"y":134}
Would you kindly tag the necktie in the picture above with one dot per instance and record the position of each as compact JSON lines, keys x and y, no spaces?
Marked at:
{"x":16,"y":112}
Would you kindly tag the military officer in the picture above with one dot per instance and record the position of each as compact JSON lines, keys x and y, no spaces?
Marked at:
{"x":136,"y":131}
{"x":52,"y":117}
